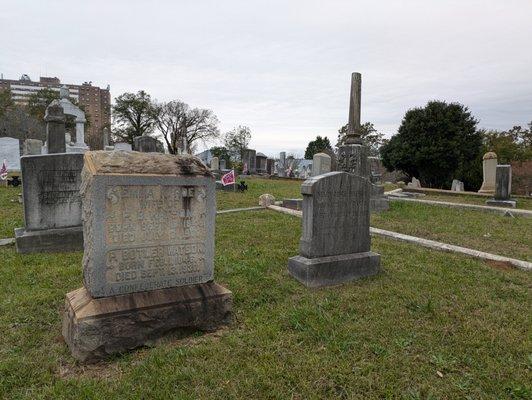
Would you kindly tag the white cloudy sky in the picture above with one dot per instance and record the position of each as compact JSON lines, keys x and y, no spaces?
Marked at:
{"x":283,"y":67}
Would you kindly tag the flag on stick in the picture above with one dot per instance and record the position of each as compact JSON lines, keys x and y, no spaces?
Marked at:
{"x":3,"y":171}
{"x":229,"y":178}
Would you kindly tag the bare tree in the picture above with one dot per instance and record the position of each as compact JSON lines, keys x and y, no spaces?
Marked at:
{"x":181,"y":127}
{"x":237,"y":141}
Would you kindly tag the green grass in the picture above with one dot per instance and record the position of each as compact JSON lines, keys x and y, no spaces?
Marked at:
{"x":432,"y":325}
{"x":523,"y":203}
{"x":478,"y":230}
{"x":11,"y":214}
{"x":390,"y":336}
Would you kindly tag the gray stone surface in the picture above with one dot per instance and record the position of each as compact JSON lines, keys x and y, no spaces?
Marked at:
{"x":32,"y":147}
{"x":148,"y":222}
{"x":215,"y":164}
{"x":50,"y":188}
{"x":145,"y":144}
{"x":52,"y":205}
{"x":270,"y":166}
{"x":55,"y":129}
{"x":223,"y":164}
{"x":354,"y":159}
{"x":321,"y":164}
{"x":489,"y":167}
{"x":96,"y":328}
{"x":293,"y":204}
{"x":335,"y":223}
{"x":354,"y":130}
{"x":503,"y":187}
{"x":378,"y":202}
{"x":10,"y":151}
{"x":333,"y":270}
{"x":415,"y":183}
{"x":266,"y":200}
{"x":123,"y":146}
{"x":457,"y":186}
{"x":49,"y":240}
{"x":282,"y":164}
{"x":250,"y":160}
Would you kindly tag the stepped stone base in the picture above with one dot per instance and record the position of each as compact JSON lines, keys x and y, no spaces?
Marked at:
{"x":96,"y":328}
{"x":49,"y":240}
{"x":501,"y":203}
{"x":333,"y":270}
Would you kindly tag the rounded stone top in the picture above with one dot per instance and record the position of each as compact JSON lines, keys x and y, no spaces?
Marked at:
{"x":64,"y":93}
{"x":489,"y":155}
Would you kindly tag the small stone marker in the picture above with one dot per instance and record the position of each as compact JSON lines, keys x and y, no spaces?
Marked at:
{"x":223,"y":164}
{"x":503,"y":190}
{"x":457,"y":186}
{"x":148,"y":264}
{"x":215,"y":164}
{"x":489,"y":167}
{"x":321,"y":164}
{"x":50,"y":187}
{"x":145,"y":144}
{"x":266,"y":200}
{"x":281,"y":166}
{"x":335,"y":244}
{"x":32,"y":147}
{"x":123,"y":146}
{"x":415,"y":184}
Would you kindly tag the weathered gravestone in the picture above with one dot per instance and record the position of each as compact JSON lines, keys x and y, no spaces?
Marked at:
{"x":457,"y":186}
{"x":414,"y":184}
{"x":281,"y":165}
{"x":335,"y":244}
{"x":489,"y":167}
{"x":32,"y":147}
{"x":148,"y":263}
{"x":145,"y":144}
{"x":503,"y":188}
{"x":223,"y":164}
{"x":321,"y":164}
{"x":215,"y":164}
{"x":50,"y":192}
{"x":123,"y":146}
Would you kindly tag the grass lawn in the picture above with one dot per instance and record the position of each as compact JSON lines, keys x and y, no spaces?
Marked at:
{"x":432,"y":325}
{"x":524,"y":203}
{"x":11,"y":212}
{"x":493,"y":233}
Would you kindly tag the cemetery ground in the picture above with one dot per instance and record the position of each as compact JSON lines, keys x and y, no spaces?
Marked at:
{"x":431,"y":325}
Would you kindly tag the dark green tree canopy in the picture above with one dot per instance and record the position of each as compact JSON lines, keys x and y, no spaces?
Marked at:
{"x":317,"y":146}
{"x":437,"y":143}
{"x":222,"y":153}
{"x":370,"y":136}
{"x":134,"y":115}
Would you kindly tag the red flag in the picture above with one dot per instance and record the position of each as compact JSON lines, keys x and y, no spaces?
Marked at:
{"x":3,"y":171}
{"x":229,"y":178}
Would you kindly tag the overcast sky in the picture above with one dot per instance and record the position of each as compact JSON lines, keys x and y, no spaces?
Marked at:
{"x":283,"y":67}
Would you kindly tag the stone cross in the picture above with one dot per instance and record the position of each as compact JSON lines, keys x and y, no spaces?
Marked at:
{"x":353,"y":128}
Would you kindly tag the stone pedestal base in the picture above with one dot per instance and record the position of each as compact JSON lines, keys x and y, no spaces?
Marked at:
{"x":333,"y":270}
{"x":49,"y":240}
{"x":501,"y":203}
{"x":96,"y":328}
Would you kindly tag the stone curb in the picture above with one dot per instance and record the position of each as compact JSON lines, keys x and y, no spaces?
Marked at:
{"x":232,"y":210}
{"x":498,"y":210}
{"x":5,"y":242}
{"x":524,"y":265}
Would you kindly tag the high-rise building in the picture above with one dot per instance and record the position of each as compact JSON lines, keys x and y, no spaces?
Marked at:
{"x":95,"y":101}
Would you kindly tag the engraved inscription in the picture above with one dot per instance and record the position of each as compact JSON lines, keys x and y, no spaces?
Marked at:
{"x":155,"y":236}
{"x":59,"y":186}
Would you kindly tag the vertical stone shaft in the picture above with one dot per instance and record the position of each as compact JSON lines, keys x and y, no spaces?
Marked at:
{"x":55,"y":129}
{"x":354,"y":104}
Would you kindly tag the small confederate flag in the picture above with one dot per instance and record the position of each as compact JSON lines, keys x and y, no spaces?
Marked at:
{"x":229,"y":178}
{"x":3,"y":171}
